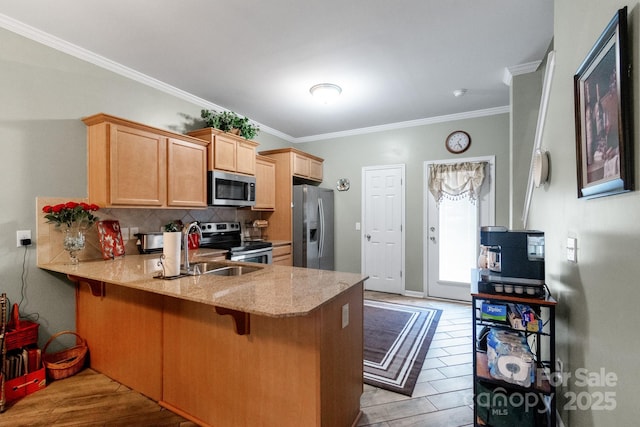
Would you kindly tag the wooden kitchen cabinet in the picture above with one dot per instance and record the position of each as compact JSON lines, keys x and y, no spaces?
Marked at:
{"x":186,"y":173}
{"x":307,"y":166}
{"x":228,"y":152}
{"x":246,"y":157}
{"x":135,"y":165}
{"x":282,"y":254}
{"x":122,"y":330}
{"x":289,"y":371}
{"x":290,"y":164}
{"x":277,"y":347}
{"x":315,"y":169}
{"x":265,"y":184}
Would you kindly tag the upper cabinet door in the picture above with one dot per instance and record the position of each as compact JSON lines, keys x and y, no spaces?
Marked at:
{"x":315,"y":169}
{"x":300,"y":165}
{"x":246,"y":157}
{"x":186,"y":174}
{"x":137,"y":166}
{"x":224,"y":153}
{"x":265,"y":184}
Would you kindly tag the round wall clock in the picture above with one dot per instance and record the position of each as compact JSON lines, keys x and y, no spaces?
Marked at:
{"x":458,"y":142}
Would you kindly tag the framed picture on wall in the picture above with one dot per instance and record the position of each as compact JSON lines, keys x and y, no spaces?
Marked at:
{"x":604,"y":139}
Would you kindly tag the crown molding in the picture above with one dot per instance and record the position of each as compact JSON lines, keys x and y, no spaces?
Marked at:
{"x":407,"y":124}
{"x":61,"y":45}
{"x":95,"y":59}
{"x":516,"y":70}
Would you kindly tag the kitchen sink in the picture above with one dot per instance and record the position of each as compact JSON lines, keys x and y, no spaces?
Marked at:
{"x":220,"y":269}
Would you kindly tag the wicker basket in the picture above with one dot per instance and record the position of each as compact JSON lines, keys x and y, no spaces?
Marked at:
{"x":20,"y":333}
{"x":67,"y":362}
{"x":26,"y":335}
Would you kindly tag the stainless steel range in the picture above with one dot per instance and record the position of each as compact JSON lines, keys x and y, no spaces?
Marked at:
{"x":228,"y":235}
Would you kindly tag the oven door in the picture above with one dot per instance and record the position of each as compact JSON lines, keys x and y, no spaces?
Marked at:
{"x":260,"y":256}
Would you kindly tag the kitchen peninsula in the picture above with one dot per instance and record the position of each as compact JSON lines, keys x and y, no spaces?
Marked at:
{"x":281,"y":346}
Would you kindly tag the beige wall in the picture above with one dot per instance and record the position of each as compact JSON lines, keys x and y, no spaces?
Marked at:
{"x":598,"y":296}
{"x":345,"y":158}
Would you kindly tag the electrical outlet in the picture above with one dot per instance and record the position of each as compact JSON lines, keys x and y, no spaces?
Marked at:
{"x":124,"y":231}
{"x":345,"y":316}
{"x":22,"y":234}
{"x":133,"y":231}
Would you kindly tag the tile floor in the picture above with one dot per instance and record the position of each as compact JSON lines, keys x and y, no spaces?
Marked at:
{"x":444,"y":393}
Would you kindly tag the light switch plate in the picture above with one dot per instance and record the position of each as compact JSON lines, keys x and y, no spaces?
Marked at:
{"x":572,"y":249}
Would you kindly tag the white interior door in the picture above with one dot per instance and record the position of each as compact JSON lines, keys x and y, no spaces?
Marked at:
{"x":382,"y":224}
{"x":452,"y":236}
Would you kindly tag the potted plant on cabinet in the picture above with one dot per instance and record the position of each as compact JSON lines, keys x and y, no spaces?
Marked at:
{"x":228,"y":121}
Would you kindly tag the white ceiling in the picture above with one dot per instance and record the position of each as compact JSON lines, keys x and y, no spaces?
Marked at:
{"x":396,"y":61}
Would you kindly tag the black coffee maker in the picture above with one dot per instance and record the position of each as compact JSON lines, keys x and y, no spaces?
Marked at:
{"x":514,"y":260}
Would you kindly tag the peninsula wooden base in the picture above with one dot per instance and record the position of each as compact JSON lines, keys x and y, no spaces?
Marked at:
{"x":123,"y":330}
{"x":287,"y":371}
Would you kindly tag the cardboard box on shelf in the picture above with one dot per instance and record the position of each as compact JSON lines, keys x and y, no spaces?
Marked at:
{"x":496,"y":312}
{"x":523,"y":318}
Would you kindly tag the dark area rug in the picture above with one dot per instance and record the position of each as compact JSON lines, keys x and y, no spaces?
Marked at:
{"x":396,"y":341}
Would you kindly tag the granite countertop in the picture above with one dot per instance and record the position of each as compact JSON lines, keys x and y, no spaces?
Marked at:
{"x":274,"y":290}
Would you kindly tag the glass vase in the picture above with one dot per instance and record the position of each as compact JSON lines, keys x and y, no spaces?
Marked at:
{"x":73,"y":242}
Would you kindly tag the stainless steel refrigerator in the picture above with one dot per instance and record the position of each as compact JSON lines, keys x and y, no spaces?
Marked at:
{"x":313,"y":227}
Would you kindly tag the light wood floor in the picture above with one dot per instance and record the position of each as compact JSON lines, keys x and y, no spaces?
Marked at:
{"x":442,"y":396}
{"x":88,"y":399}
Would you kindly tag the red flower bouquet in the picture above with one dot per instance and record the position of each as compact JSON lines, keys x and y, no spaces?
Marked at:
{"x":71,"y":213}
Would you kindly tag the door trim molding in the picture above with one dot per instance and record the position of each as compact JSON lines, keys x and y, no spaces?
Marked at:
{"x":363,"y":227}
{"x":491,"y":160}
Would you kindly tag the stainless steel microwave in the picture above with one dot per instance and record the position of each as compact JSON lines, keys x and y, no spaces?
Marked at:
{"x":228,"y":189}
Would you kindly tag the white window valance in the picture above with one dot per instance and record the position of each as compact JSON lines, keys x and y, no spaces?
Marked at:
{"x":455,"y":181}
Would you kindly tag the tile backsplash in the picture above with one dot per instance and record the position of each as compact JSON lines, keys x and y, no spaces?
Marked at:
{"x":49,"y":240}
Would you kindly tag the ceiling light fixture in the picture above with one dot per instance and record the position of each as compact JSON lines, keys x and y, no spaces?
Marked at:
{"x":326,"y":92}
{"x":459,"y":92}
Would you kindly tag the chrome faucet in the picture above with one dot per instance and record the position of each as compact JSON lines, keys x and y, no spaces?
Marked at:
{"x":185,"y":244}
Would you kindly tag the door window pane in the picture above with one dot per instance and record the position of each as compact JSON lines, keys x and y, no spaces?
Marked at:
{"x":458,"y":239}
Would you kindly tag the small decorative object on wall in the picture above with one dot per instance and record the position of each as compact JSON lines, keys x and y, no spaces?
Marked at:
{"x":540,"y":167}
{"x":602,"y":87}
{"x":458,"y":142}
{"x":343,"y":184}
